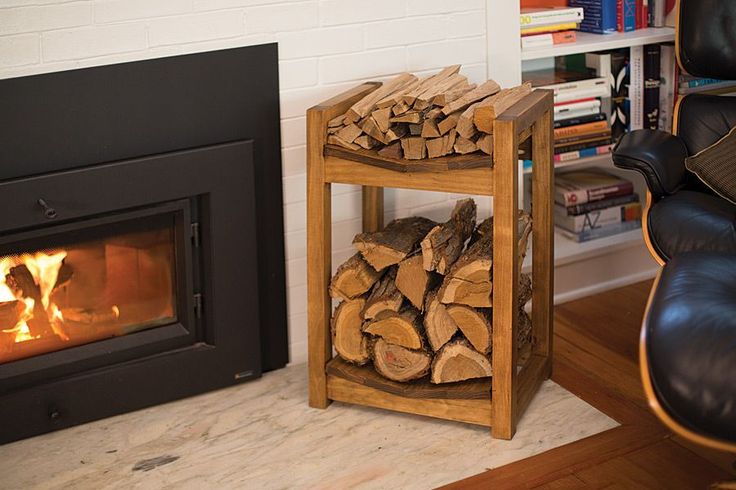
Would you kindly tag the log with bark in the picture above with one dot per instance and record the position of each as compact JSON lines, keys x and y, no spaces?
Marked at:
{"x":353,"y":278}
{"x":394,"y":243}
{"x":458,"y":361}
{"x":347,"y":332}
{"x":402,"y":327}
{"x":399,"y":363}
{"x":444,"y":243}
{"x":384,"y":296}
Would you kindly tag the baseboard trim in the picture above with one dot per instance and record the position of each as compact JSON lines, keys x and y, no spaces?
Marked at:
{"x":600,"y":287}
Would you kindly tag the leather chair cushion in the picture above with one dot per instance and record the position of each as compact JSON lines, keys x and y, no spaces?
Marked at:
{"x":707,"y":39}
{"x":691,"y":342}
{"x":689,"y":221}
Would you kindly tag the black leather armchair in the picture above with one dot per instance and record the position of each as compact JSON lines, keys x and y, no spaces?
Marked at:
{"x":682,"y":214}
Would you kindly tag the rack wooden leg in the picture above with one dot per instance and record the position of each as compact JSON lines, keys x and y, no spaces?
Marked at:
{"x":543,"y":238}
{"x":505,"y":279}
{"x":372,"y":208}
{"x":319,"y":262}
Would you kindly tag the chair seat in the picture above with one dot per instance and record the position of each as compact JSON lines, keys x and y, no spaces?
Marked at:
{"x":689,"y":221}
{"x":691,"y":342}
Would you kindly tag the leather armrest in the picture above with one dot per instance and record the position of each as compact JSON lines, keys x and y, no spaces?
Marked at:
{"x":658,"y":155}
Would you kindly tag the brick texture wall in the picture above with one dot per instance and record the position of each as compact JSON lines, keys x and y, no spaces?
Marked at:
{"x":324,"y":47}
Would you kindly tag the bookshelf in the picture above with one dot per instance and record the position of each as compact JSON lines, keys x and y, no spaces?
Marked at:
{"x":580,"y":268}
{"x":587,"y":42}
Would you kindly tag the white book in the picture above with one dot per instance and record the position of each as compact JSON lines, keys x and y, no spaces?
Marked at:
{"x":636,"y":87}
{"x":578,"y":113}
{"x":577,"y":106}
{"x":533,"y":17}
{"x":600,"y":62}
{"x":537,"y":41}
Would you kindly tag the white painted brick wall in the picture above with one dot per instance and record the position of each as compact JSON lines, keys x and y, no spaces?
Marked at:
{"x":325,"y":47}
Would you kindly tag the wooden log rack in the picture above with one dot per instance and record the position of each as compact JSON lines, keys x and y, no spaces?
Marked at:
{"x":500,"y":401}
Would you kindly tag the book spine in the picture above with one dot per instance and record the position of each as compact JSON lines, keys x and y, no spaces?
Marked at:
{"x":620,"y":15}
{"x":551,"y":16}
{"x":619,"y":80}
{"x":599,"y":18}
{"x":611,"y":191}
{"x":587,"y":89}
{"x":666,"y":87}
{"x":549,"y":39}
{"x":636,"y":87}
{"x":580,"y":120}
{"x":609,"y":16}
{"x":577,"y":113}
{"x":600,"y":63}
{"x":581,"y":129}
{"x":652,"y":54}
{"x":578,"y":209}
{"x":590,"y":145}
{"x":700,"y":82}
{"x":598,"y":218}
{"x":568,"y":107}
{"x":600,"y":136}
{"x":602,"y":232}
{"x":576,"y":155}
{"x":629,"y":15}
{"x":565,"y":26}
{"x":639,"y":9}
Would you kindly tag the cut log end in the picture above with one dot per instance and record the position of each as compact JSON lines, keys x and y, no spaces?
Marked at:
{"x":414,"y":281}
{"x":398,"y":328}
{"x":439,"y":326}
{"x":347,"y":333}
{"x":458,"y":361}
{"x":384,"y":296}
{"x":399,"y":363}
{"x":353,"y":278}
{"x":475,"y":324}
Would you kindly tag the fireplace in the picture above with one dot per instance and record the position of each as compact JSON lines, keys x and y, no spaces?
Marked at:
{"x":141,"y":239}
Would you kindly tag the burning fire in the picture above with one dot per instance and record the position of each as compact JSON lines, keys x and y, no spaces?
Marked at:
{"x":44,"y":268}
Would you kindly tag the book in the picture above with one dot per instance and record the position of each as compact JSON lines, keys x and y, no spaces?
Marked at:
{"x":619,"y":80}
{"x":577,"y":155}
{"x":585,"y":138}
{"x":600,"y":63}
{"x":602,"y":232}
{"x":581,"y":186}
{"x":652,"y":54}
{"x":564,"y":26}
{"x":707,"y":88}
{"x":620,"y":15}
{"x":549,"y":39}
{"x":580,"y":120}
{"x":629,"y":15}
{"x":587,"y":207}
{"x":577,"y":113}
{"x":636,"y":87}
{"x":581,"y":129}
{"x":667,"y":85}
{"x":670,"y":13}
{"x":598,"y":218}
{"x":592,"y":144}
{"x":571,"y":107}
{"x":599,"y":15}
{"x":531,"y":17}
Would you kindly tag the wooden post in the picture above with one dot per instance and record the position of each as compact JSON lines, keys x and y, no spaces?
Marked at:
{"x":543,"y":229}
{"x":372,"y":208}
{"x":319,"y":239}
{"x":505,"y":277}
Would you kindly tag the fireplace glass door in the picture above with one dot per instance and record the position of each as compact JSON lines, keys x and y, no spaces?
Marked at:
{"x":87,"y":286}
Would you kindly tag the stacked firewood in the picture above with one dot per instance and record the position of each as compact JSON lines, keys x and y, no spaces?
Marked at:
{"x":416,"y":118}
{"x":416,"y":299}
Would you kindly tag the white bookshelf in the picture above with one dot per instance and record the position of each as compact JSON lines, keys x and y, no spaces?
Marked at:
{"x":580,"y":268}
{"x":587,"y":42}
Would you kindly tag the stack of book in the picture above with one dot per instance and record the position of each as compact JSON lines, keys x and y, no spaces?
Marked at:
{"x":609,"y":16}
{"x":549,"y":26}
{"x":593,"y":204}
{"x":581,"y":123}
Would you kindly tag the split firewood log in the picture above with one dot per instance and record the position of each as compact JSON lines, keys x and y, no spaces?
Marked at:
{"x":430,"y":129}
{"x":458,"y":361}
{"x":479,"y":93}
{"x":414,"y":147}
{"x":347,"y":333}
{"x":353,"y":278}
{"x":414,"y":281}
{"x":475,"y":324}
{"x":349,"y":133}
{"x":384,"y":296}
{"x":368,"y":103}
{"x":444,"y":243}
{"x":439,"y":326}
{"x":399,"y":363}
{"x":464,"y":146}
{"x":398,"y":327}
{"x":426,"y":84}
{"x":485,"y":144}
{"x":469,"y":280}
{"x":489,"y":109}
{"x":394,"y":243}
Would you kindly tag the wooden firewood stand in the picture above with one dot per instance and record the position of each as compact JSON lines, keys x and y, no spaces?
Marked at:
{"x":500,"y":401}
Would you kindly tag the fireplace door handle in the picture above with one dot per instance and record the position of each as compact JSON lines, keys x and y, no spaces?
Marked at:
{"x":48,"y":211}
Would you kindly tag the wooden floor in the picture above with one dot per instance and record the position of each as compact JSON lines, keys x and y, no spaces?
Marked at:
{"x":596,"y":358}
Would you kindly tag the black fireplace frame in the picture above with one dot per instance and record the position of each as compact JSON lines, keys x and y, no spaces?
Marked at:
{"x":126,"y":122}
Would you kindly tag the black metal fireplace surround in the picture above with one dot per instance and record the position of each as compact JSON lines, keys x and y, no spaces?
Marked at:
{"x":141,"y":236}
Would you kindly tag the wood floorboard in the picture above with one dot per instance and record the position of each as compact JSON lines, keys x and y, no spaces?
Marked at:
{"x":596,"y":358}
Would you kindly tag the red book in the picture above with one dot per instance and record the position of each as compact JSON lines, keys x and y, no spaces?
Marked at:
{"x":620,"y":15}
{"x":639,"y":8}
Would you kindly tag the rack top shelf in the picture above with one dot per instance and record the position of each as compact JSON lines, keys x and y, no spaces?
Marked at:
{"x":370,"y":157}
{"x":587,"y":42}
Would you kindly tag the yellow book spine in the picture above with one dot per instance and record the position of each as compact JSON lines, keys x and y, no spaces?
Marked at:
{"x":553,"y":27}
